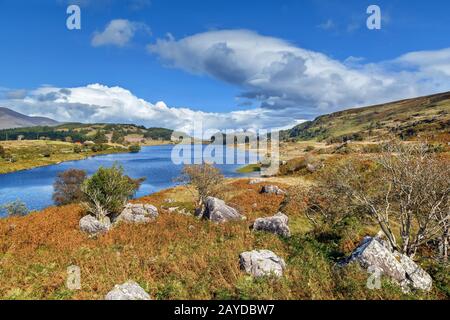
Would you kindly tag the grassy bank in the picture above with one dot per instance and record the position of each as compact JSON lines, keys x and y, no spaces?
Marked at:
{"x":30,"y":154}
{"x":36,"y":153}
{"x":179,"y":256}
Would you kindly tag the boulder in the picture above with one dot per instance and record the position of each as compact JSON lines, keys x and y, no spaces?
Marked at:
{"x":311,"y":168}
{"x":272,"y":190}
{"x":92,"y":226}
{"x":374,"y":253}
{"x":216,"y":210}
{"x":262,"y":263}
{"x":138,"y":213}
{"x":128,"y":291}
{"x":277,"y":224}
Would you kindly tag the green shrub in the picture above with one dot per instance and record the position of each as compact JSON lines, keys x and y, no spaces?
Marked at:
{"x":134,"y":148}
{"x":108,"y":190}
{"x":99,"y":147}
{"x":2,"y":152}
{"x":77,"y":149}
{"x":15,"y":208}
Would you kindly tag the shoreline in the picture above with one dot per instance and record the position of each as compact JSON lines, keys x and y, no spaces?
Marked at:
{"x":79,"y":157}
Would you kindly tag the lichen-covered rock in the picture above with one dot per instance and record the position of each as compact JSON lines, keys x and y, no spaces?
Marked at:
{"x":216,"y":210}
{"x":375,"y":254}
{"x":128,"y":291}
{"x":138,"y":213}
{"x":261,"y":263}
{"x":277,"y":224}
{"x":92,"y":226}
{"x":272,"y":190}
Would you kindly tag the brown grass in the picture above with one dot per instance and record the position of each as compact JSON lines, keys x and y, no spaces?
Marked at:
{"x":175,"y":257}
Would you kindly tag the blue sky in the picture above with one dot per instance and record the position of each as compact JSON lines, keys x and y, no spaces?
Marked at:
{"x":201,"y":66}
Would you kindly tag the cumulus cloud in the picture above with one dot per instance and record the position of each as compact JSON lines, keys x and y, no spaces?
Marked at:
{"x":118,"y":32}
{"x":284,"y":77}
{"x":98,"y":103}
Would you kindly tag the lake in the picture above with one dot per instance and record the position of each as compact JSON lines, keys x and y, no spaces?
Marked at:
{"x":34,"y":187}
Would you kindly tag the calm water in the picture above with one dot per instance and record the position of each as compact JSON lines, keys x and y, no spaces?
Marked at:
{"x":35,"y":187}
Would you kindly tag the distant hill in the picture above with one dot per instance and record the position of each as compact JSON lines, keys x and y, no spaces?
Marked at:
{"x":405,"y":118}
{"x":81,"y":132}
{"x":11,"y":119}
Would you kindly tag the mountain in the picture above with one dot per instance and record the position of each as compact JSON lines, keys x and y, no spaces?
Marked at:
{"x":10,"y":119}
{"x":406,"y":119}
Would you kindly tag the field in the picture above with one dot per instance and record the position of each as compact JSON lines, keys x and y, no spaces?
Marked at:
{"x":29,"y":154}
{"x":181,"y":257}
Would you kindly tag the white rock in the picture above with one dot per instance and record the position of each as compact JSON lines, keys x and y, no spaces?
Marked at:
{"x":217,"y":211}
{"x":277,"y":224}
{"x":138,"y":213}
{"x":272,"y":190}
{"x":128,"y":291}
{"x":374,"y":253}
{"x":262,"y":263}
{"x":90,"y":225}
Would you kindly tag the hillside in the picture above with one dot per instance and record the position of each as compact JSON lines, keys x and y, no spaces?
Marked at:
{"x":99,"y":133}
{"x":406,"y":119}
{"x":11,"y":119}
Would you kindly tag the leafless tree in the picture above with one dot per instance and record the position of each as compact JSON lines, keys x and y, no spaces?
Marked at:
{"x":405,"y":188}
{"x":203,"y":180}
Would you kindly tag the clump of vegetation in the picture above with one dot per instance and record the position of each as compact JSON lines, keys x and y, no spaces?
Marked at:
{"x":100,"y":137}
{"x":206,"y":181}
{"x":15,"y":209}
{"x":134,"y":148}
{"x":108,"y":190}
{"x":2,"y":152}
{"x":406,"y":187}
{"x":99,"y":147}
{"x":67,"y":187}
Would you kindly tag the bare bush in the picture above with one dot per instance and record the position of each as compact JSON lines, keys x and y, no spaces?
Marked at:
{"x":405,"y":188}
{"x":67,"y":187}
{"x":203,"y":180}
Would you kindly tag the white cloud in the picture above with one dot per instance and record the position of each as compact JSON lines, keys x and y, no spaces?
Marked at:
{"x":283,"y":76}
{"x":118,"y":32}
{"x":98,"y":103}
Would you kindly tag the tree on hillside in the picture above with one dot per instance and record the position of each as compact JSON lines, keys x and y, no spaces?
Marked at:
{"x":67,"y":187}
{"x":108,"y":191}
{"x":408,"y":186}
{"x":100,"y":137}
{"x":118,"y":137}
{"x":204,"y":180}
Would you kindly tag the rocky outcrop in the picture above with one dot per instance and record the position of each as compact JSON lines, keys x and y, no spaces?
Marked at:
{"x":255,"y":181}
{"x":262,"y":263}
{"x":138,"y":213}
{"x":92,"y":226}
{"x":375,"y":254}
{"x":128,"y":291}
{"x":277,"y":224}
{"x":216,"y":210}
{"x":272,"y":190}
